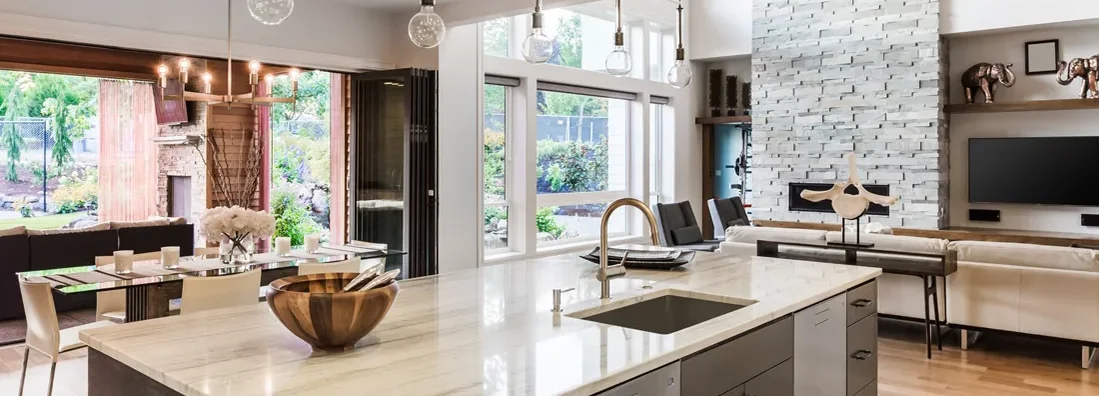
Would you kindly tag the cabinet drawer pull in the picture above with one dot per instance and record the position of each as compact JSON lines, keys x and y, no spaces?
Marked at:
{"x":862,"y":303}
{"x":862,"y":354}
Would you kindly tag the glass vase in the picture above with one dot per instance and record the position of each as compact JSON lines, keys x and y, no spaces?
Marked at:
{"x":237,"y":249}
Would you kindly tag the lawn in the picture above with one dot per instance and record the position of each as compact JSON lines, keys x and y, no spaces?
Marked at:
{"x":41,"y":222}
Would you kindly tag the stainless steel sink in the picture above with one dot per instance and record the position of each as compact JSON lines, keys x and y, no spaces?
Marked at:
{"x":665,"y":313}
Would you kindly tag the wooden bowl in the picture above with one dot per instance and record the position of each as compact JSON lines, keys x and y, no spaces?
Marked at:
{"x":314,"y":309}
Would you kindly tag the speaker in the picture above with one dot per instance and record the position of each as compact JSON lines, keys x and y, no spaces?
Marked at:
{"x":1089,"y":220}
{"x":984,"y":215}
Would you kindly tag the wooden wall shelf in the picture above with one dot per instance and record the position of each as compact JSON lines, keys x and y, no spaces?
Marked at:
{"x":1037,"y":105}
{"x":723,"y":120}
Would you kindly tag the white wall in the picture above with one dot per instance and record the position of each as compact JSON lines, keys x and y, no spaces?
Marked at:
{"x":719,"y":28}
{"x":968,"y":16}
{"x":460,"y":149}
{"x":318,"y":34}
{"x":1008,"y":48}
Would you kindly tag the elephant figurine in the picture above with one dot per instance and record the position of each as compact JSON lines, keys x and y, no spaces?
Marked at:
{"x":985,"y":76}
{"x":1086,"y":69}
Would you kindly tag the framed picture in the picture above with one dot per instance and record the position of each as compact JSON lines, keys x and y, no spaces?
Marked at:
{"x":1042,"y":56}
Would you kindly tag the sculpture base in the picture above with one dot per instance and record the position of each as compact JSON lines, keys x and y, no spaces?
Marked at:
{"x":854,"y":245}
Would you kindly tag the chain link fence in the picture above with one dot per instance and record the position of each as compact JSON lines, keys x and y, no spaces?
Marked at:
{"x":25,"y":145}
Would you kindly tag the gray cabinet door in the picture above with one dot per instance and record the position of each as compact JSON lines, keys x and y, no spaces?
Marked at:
{"x":820,"y":359}
{"x":738,"y":391}
{"x":869,"y":390}
{"x":778,"y":381}
{"x":862,"y":301}
{"x":862,"y":354}
{"x":717,"y":370}
{"x":663,"y":381}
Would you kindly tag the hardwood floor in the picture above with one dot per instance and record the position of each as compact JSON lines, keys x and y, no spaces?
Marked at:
{"x":997,"y":365}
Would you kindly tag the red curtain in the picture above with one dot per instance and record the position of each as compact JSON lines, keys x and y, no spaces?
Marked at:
{"x":127,"y":153}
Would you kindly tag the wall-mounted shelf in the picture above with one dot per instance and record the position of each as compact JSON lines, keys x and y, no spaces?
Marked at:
{"x":723,"y":120}
{"x":1037,"y":105}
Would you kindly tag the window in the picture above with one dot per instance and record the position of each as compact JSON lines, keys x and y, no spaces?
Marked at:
{"x":495,"y":37}
{"x":300,"y":155}
{"x":656,"y":128}
{"x":583,"y":42}
{"x":581,"y":164}
{"x":496,"y":168}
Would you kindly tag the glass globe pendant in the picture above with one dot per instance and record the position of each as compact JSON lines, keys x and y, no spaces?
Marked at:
{"x":537,"y":48}
{"x":619,"y":62}
{"x":270,"y":12}
{"x":680,"y":75}
{"x":426,"y":29}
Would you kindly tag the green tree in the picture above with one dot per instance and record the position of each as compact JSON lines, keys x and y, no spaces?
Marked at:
{"x":67,"y":123}
{"x":568,"y":45}
{"x":291,"y":217}
{"x":496,"y":36}
{"x":15,"y":106}
{"x":313,"y":97}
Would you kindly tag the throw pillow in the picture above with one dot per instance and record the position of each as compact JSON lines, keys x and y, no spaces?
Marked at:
{"x":20,"y":230}
{"x":140,"y":223}
{"x":97,"y":227}
{"x":687,"y":235}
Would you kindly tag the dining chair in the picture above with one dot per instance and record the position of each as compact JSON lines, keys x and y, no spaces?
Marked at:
{"x":203,"y":293}
{"x":43,"y":333}
{"x":370,"y":245}
{"x":111,"y":305}
{"x":352,"y":265}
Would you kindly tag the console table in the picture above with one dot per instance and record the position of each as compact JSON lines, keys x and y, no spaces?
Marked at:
{"x":928,"y":267}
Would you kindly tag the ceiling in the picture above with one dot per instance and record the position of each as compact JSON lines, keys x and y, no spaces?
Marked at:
{"x":389,"y":5}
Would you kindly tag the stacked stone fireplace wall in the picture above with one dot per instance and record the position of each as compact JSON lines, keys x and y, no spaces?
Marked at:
{"x":831,"y":77}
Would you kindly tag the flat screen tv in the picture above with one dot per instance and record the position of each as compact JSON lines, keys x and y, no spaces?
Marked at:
{"x":1044,"y":171}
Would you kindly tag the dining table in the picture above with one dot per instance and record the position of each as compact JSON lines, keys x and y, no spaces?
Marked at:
{"x":150,"y":287}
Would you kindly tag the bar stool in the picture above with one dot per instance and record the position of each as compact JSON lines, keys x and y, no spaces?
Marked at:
{"x":43,"y":333}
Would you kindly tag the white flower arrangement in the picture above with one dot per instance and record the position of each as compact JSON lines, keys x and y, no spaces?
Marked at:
{"x":236,"y":223}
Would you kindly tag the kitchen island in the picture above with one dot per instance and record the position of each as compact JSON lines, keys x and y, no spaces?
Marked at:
{"x":483,"y":331}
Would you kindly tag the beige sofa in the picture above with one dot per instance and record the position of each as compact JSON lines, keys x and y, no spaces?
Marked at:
{"x":898,"y":295}
{"x":1031,"y":289}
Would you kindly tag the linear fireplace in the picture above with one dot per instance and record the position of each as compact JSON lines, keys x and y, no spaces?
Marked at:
{"x":799,"y":204}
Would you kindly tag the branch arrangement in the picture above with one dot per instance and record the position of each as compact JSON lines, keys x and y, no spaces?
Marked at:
{"x":235,"y":185}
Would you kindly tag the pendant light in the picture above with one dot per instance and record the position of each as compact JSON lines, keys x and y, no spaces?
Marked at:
{"x":270,"y":12}
{"x":619,"y":62}
{"x":537,"y":48}
{"x":426,"y":29}
{"x":680,"y":75}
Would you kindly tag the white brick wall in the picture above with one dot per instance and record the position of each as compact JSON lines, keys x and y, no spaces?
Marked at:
{"x":835,"y":76}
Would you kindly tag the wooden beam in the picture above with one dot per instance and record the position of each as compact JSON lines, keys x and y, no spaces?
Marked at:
{"x":723,"y":120}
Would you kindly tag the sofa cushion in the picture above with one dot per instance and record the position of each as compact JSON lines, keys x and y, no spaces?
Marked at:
{"x":753,"y":234}
{"x":737,"y":223}
{"x":59,"y":231}
{"x":20,"y":230}
{"x":687,"y":235}
{"x":1027,"y":255}
{"x":151,"y":239}
{"x":140,"y":223}
{"x":908,"y":244}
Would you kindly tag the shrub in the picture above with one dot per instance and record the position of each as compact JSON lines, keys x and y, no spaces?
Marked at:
{"x":495,"y":214}
{"x":291,"y":217}
{"x":571,"y":166}
{"x":77,"y":191}
{"x":24,"y":208}
{"x":547,"y":223}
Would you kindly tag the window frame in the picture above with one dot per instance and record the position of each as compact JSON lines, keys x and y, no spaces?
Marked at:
{"x":509,"y":172}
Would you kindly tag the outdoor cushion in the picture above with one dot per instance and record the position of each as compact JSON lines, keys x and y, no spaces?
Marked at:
{"x":140,"y":223}
{"x":20,"y":230}
{"x":58,"y":231}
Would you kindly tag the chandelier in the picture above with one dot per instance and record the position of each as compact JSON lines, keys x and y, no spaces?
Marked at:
{"x":250,"y":98}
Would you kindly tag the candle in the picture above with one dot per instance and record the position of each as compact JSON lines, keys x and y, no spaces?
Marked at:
{"x":169,"y":257}
{"x":123,"y":261}
{"x":282,"y":246}
{"x":312,"y":243}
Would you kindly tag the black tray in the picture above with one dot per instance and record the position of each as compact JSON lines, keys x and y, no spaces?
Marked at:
{"x":684,"y":258}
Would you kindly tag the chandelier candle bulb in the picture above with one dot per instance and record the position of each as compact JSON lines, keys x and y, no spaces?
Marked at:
{"x":162,"y":71}
{"x":206,"y":79}
{"x":269,"y":79}
{"x":253,"y":75}
{"x":184,"y":67}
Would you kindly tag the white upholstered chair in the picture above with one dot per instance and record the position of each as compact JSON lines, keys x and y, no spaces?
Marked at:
{"x":370,"y":245}
{"x":204,"y":293}
{"x":111,"y":305}
{"x":43,"y":333}
{"x":352,"y":265}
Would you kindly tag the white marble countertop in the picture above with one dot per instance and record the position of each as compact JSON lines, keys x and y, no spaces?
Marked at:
{"x":485,"y":331}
